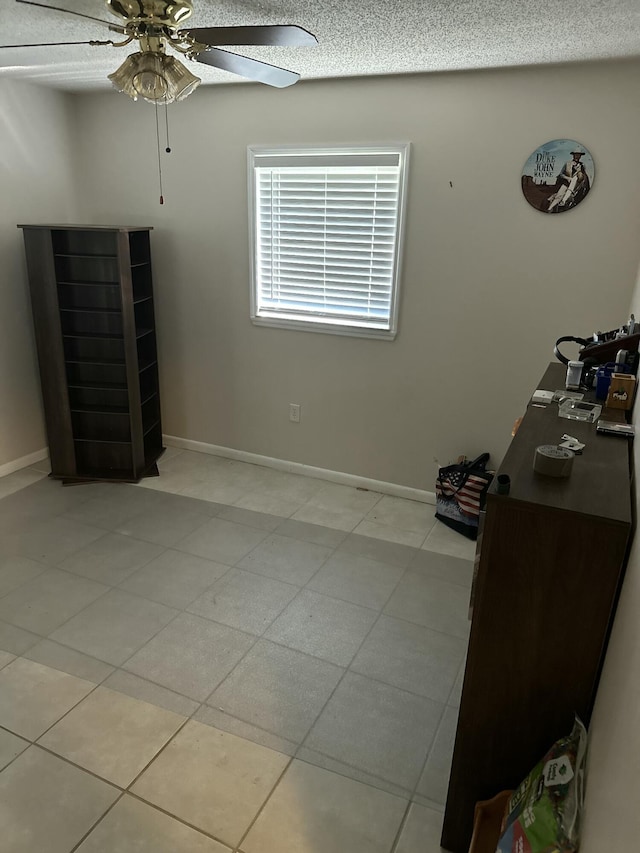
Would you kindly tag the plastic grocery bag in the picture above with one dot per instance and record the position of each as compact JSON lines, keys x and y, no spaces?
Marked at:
{"x":543,"y":814}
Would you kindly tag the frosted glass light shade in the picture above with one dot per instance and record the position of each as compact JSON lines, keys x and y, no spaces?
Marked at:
{"x":180,"y":81}
{"x":155,"y":77}
{"x":122,"y":78}
{"x":148,"y":80}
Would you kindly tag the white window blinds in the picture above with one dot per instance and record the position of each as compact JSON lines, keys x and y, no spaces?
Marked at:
{"x":326,"y":227}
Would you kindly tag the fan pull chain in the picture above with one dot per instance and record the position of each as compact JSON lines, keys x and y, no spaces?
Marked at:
{"x":159,"y":163}
{"x":166,"y":119}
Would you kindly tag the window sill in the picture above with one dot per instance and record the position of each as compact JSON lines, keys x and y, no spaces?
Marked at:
{"x":325,"y":328}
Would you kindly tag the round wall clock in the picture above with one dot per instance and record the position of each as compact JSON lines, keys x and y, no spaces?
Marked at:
{"x":558,"y":176}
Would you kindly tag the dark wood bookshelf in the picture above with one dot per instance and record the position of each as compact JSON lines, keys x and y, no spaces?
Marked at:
{"x":92,"y":301}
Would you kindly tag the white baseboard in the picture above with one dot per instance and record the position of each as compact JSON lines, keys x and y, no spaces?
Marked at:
{"x":394,"y":489}
{"x":23,"y":462}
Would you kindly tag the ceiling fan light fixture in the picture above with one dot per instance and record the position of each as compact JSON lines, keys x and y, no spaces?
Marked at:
{"x":148,"y":80}
{"x":123,"y":77}
{"x":180,"y":81}
{"x":155,"y":77}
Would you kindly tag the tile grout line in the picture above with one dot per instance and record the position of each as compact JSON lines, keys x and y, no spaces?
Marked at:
{"x":175,"y":817}
{"x":185,"y":611}
{"x":435,"y":736}
{"x":260,"y":636}
{"x":15,"y":757}
{"x":75,"y":574}
{"x":160,"y":751}
{"x":266,"y":494}
{"x":237,"y":664}
{"x":109,"y":588}
{"x":403,"y":823}
{"x":77,"y":766}
{"x":151,"y":684}
{"x":243,"y":838}
{"x":429,"y":752}
{"x":157,"y":755}
{"x":384,"y":785}
{"x":463,"y":665}
{"x":137,"y":569}
{"x":66,"y":713}
{"x":49,"y":636}
{"x":99,"y":821}
{"x":309,"y":501}
{"x":205,"y":705}
{"x":72,"y":649}
{"x":332,"y":550}
{"x":2,"y":666}
{"x":173,"y":606}
{"x":323,"y":660}
{"x":438,"y":727}
{"x":164,"y":545}
{"x":347,"y":668}
{"x":126,"y":790}
{"x":170,"y":622}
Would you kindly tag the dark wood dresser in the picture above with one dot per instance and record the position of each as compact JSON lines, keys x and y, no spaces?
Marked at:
{"x":549,"y":562}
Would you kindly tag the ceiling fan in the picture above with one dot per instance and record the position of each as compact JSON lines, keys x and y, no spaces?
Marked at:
{"x":156,"y":76}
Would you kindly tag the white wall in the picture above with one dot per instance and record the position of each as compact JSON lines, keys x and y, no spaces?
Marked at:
{"x":489,"y":282}
{"x":612,"y":817}
{"x":36,"y":185}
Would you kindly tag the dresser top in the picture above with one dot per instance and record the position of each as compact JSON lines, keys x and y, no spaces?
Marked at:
{"x":600,"y":482}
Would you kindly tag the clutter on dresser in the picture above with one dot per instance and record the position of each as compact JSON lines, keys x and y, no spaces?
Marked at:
{"x":618,"y":347}
{"x":613,"y":428}
{"x":550,"y":460}
{"x":622,"y":389}
{"x":579,"y":410}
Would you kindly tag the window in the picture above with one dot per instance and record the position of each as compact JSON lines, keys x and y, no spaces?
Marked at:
{"x":326,"y":237}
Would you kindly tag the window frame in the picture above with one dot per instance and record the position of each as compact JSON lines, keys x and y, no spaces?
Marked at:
{"x":311,"y":323}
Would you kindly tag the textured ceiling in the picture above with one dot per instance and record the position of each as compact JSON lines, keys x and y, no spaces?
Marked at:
{"x":357,"y":37}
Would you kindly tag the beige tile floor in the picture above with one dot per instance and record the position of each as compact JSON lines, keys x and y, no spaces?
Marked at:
{"x":225,"y":658}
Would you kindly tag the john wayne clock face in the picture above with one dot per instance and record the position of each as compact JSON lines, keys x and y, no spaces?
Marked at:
{"x":558,"y":176}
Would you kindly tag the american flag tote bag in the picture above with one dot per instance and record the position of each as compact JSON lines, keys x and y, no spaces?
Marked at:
{"x":461,"y":491}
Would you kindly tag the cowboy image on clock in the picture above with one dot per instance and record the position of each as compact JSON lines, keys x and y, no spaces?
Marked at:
{"x":558,"y":176}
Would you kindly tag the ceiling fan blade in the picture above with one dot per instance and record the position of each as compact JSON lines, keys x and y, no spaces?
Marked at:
{"x":54,"y":44}
{"x":245,"y":67}
{"x":111,"y":26}
{"x":282,"y":35}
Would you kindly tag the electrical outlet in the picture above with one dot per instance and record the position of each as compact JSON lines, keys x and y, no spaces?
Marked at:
{"x":294,"y":413}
